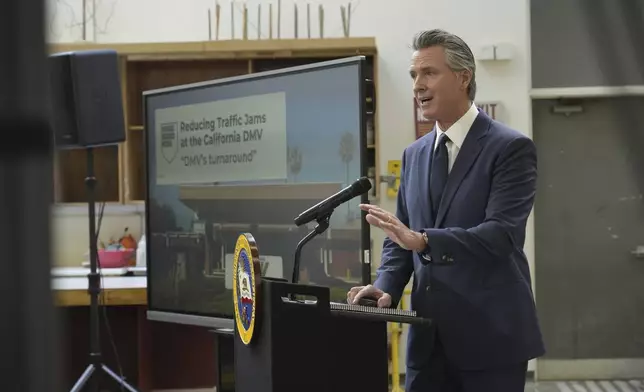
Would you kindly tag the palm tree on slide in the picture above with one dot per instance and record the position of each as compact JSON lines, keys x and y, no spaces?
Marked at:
{"x":294,"y":158}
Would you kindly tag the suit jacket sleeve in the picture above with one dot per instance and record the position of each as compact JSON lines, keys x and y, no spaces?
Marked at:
{"x":397,"y":263}
{"x":510,"y":201}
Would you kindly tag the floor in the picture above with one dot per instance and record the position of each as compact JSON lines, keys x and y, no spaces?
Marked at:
{"x":586,"y":386}
{"x":583,"y":386}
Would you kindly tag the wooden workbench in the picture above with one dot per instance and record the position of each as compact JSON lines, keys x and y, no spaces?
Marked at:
{"x":152,"y":355}
{"x":117,"y":291}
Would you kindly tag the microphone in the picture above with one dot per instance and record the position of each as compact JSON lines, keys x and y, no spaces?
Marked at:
{"x":326,"y":206}
{"x":321,"y":213}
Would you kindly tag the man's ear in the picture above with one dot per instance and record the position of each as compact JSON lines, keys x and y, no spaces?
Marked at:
{"x":466,"y":78}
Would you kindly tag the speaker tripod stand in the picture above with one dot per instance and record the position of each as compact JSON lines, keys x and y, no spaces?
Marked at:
{"x":95,"y":357}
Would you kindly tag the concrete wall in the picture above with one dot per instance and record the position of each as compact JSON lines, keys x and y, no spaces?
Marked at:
{"x":579,"y":43}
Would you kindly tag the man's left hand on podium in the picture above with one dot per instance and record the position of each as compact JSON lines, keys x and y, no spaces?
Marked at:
{"x":369,"y":291}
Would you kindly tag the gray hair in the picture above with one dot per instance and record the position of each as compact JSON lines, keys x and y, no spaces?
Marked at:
{"x":457,"y":53}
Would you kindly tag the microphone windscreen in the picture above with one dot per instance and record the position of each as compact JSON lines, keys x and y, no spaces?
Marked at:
{"x":363,"y":185}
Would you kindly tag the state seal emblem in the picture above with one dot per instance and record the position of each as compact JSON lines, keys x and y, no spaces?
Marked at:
{"x":246,"y":276}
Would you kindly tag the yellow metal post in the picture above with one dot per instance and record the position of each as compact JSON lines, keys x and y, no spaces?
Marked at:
{"x":393,"y":168}
{"x":395,"y":372}
{"x":396,"y":332}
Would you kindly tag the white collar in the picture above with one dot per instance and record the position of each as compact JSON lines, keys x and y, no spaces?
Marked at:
{"x":458,"y":131}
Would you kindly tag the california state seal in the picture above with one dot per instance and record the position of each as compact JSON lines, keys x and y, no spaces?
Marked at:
{"x":246,"y":276}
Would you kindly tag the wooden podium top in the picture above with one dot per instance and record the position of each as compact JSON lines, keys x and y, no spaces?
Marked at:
{"x":117,"y":290}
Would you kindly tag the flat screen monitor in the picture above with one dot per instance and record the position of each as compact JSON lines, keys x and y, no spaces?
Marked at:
{"x":248,"y":154}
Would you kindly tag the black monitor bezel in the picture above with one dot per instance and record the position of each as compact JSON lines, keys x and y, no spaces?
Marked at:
{"x":220,"y":320}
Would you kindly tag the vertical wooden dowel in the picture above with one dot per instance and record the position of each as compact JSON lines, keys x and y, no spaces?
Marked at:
{"x":343,"y":14}
{"x":84,"y":33}
{"x":245,"y":25}
{"x":259,"y":21}
{"x":270,"y":21}
{"x":94,"y":21}
{"x":279,"y":19}
{"x":217,"y":16}
{"x":209,"y":25}
{"x":321,"y":20}
{"x":308,"y":20}
{"x":349,"y":20}
{"x":295,"y":27}
{"x":232,"y":20}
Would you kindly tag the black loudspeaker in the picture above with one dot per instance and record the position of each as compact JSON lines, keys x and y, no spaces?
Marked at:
{"x":86,"y":100}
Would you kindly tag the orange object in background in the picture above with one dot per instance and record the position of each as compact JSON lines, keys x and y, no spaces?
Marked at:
{"x":127,"y":241}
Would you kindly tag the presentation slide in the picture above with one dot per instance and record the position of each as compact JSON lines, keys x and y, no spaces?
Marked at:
{"x":249,"y":155}
{"x":214,"y":142}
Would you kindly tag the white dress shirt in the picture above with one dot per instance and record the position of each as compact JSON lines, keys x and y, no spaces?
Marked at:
{"x":457,"y":133}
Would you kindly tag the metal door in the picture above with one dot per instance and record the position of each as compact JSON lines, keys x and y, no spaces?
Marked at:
{"x":589,"y":223}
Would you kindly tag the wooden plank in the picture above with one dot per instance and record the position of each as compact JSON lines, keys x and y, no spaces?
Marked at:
{"x":72,"y":171}
{"x":116,"y":290}
{"x":111,"y":297}
{"x":236,"y":48}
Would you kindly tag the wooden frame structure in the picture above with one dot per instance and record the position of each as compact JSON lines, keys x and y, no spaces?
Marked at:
{"x":120,"y":170}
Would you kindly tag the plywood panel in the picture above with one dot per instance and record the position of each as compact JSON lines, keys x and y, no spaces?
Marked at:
{"x":149,"y":75}
{"x":72,"y":169}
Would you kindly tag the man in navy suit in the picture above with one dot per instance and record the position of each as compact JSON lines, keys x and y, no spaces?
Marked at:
{"x":466,"y":191}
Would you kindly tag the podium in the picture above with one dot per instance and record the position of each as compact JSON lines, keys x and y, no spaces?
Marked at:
{"x":301,"y":346}
{"x":291,"y":338}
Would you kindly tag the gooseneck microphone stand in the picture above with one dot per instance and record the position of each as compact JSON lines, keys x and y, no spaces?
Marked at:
{"x":95,"y":357}
{"x":323,"y":224}
{"x":321,"y":213}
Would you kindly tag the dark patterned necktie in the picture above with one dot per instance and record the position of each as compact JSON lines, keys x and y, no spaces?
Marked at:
{"x":440,"y":170}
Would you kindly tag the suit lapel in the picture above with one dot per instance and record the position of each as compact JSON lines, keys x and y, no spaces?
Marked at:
{"x":425,"y":160}
{"x":467,"y":155}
